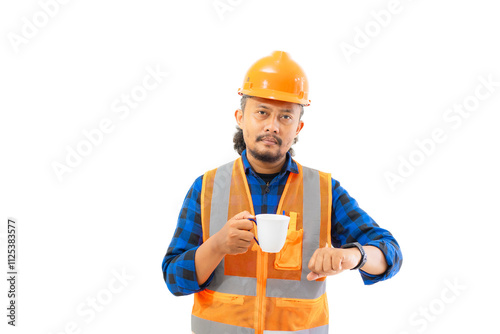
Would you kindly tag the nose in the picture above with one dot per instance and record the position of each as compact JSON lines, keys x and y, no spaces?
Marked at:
{"x":272,"y":125}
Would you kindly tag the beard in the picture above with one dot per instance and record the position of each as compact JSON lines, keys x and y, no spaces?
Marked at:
{"x":267,"y":156}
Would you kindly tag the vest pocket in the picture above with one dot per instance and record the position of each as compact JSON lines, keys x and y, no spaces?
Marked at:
{"x":227,"y":298}
{"x":298,"y":315}
{"x":294,"y":302}
{"x":290,"y":256}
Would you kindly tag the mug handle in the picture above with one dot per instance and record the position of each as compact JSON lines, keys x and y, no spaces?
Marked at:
{"x":257,"y":241}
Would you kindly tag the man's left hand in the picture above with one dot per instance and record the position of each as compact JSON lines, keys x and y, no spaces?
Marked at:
{"x":329,"y":261}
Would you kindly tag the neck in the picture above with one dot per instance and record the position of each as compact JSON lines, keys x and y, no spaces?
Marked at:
{"x":262,"y":167}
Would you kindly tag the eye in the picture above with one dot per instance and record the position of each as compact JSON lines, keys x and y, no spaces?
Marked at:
{"x":287,"y":117}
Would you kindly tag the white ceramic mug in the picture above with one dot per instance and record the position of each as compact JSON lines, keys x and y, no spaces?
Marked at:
{"x":271,"y":231}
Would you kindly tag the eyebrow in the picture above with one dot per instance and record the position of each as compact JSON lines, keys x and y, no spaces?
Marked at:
{"x":266,"y":107}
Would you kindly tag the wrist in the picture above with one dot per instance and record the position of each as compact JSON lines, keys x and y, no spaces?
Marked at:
{"x":360,"y":253}
{"x":215,"y":246}
{"x":355,"y":255}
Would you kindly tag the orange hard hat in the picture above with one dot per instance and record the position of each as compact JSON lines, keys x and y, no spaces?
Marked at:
{"x":277,"y":77}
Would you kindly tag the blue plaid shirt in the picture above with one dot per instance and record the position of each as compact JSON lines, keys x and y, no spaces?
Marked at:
{"x":349,"y":224}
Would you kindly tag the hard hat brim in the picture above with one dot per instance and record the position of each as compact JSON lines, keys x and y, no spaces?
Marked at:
{"x":275,"y":95}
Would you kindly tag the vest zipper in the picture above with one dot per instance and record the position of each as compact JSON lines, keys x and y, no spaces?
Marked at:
{"x":261,"y":290}
{"x":261,"y":284}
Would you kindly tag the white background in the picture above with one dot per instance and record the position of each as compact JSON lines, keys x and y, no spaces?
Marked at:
{"x":117,"y":210}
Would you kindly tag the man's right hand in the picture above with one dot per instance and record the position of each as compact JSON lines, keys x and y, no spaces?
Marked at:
{"x":235,"y":237}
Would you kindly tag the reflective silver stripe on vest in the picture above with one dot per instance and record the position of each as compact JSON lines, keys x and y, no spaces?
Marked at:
{"x":282,"y":288}
{"x":304,"y":289}
{"x":315,"y":330}
{"x":219,"y":208}
{"x":235,"y":285}
{"x":199,"y":325}
{"x":218,"y":218}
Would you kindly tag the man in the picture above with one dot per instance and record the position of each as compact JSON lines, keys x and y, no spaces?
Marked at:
{"x":238,"y":287}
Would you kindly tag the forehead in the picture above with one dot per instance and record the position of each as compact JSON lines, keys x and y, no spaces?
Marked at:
{"x":272,"y":105}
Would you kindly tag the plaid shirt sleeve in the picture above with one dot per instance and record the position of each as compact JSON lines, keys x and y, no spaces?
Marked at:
{"x":178,"y":265}
{"x":351,"y":224}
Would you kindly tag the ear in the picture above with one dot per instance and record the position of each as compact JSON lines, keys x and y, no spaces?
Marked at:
{"x":299,"y":128}
{"x":238,"y":115}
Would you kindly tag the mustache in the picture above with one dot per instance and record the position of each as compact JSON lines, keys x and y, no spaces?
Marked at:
{"x":262,"y":137}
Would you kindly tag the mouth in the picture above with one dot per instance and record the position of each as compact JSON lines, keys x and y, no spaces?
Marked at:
{"x":269,"y":140}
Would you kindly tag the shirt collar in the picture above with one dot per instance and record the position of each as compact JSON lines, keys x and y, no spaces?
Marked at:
{"x":289,"y":166}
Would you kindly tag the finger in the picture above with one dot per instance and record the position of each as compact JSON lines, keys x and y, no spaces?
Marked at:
{"x":243,"y":215}
{"x":246,"y":236}
{"x":243,"y":224}
{"x":243,"y":244}
{"x":337,"y":263}
{"x":313,"y":276}
{"x":310,"y":265}
{"x":241,"y":250}
{"x":327,"y":263}
{"x":318,"y":265}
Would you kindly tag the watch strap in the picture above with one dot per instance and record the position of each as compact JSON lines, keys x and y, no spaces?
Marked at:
{"x":362,"y":251}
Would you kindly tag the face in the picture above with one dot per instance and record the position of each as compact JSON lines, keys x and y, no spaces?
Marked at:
{"x":269,"y":127}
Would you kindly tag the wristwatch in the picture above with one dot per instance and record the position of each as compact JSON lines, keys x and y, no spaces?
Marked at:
{"x":363,"y":253}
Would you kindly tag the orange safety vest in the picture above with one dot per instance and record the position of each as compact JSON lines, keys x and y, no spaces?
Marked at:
{"x":258,"y":292}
